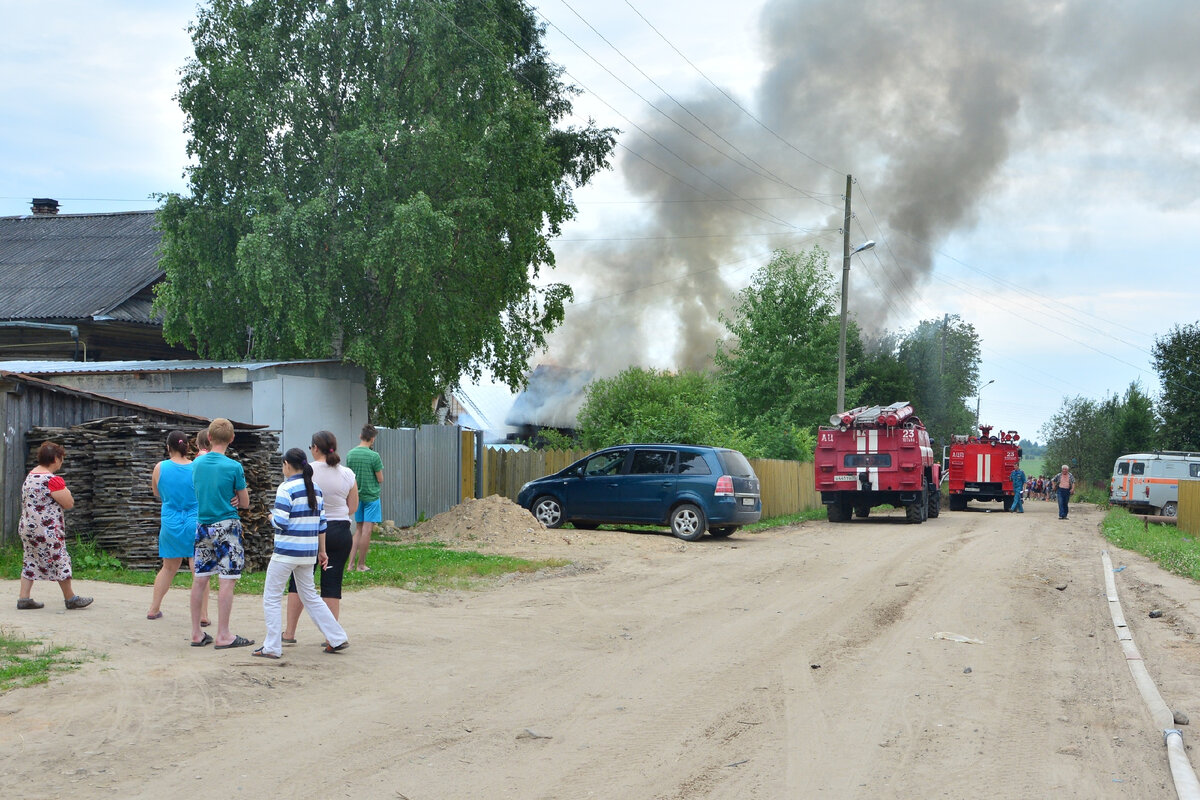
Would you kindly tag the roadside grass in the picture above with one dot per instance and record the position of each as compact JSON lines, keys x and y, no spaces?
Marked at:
{"x":422,"y":567}
{"x":1170,"y":548}
{"x":28,"y":662}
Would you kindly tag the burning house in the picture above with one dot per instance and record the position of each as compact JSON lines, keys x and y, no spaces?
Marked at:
{"x":552,"y":399}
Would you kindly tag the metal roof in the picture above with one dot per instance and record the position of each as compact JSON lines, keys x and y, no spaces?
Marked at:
{"x":93,"y":367}
{"x":75,"y":266}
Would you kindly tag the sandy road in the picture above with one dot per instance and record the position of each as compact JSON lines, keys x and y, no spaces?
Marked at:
{"x":792,"y":664}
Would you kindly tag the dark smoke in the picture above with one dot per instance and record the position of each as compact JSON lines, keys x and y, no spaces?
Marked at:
{"x":926,"y":103}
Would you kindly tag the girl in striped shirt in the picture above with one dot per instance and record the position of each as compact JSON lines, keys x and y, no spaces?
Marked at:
{"x":299,"y":521}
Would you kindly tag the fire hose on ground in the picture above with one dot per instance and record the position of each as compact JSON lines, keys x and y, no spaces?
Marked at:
{"x":1186,"y":784}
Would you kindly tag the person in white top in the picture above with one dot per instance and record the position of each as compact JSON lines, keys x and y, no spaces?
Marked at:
{"x":340,"y":492}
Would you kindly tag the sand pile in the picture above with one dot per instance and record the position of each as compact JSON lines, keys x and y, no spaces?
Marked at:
{"x":493,"y":521}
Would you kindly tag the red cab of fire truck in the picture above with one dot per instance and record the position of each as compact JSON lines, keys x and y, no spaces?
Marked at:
{"x":980,"y":467}
{"x":874,"y":455}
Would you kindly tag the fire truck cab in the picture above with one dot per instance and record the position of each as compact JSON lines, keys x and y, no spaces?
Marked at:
{"x":874,"y":455}
{"x":980,"y":467}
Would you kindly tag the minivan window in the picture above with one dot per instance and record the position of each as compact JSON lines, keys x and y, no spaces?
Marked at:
{"x":1123,"y":468}
{"x":693,"y":464}
{"x":1139,"y":468}
{"x":1194,"y":470}
{"x":608,"y":463}
{"x":652,"y":462}
{"x":734,"y":463}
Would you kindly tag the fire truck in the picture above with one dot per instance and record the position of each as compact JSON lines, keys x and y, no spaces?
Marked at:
{"x":979,"y":467}
{"x":873,"y":455}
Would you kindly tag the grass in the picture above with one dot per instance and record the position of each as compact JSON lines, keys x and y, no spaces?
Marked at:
{"x":1170,"y":548}
{"x":27,"y":662}
{"x":417,"y":567}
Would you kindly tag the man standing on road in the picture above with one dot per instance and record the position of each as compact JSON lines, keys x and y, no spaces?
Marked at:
{"x":1018,"y":481}
{"x":1064,"y":482}
{"x":368,"y":473}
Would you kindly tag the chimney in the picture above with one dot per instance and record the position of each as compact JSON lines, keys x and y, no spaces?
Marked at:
{"x":44,"y":206}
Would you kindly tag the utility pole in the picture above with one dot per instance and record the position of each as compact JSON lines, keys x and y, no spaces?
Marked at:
{"x":841,"y":383}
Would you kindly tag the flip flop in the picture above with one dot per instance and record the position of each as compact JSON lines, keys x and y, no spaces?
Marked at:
{"x":204,"y":623}
{"x":259,"y":652}
{"x":286,"y":640}
{"x":154,"y":616}
{"x":238,"y":641}
{"x":205,"y":641}
{"x":331,"y":649}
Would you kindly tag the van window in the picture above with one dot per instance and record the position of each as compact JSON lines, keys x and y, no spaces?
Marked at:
{"x":652,"y":462}
{"x":868,"y":460}
{"x":734,"y":463}
{"x":605,"y":463}
{"x":1139,"y":468}
{"x":1123,"y":468}
{"x":1194,"y":470}
{"x":693,"y":464}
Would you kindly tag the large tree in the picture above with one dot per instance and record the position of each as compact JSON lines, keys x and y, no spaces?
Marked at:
{"x":1177,"y":361}
{"x":942,"y":355}
{"x":377,"y":179}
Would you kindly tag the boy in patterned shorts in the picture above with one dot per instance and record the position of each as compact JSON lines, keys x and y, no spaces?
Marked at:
{"x":220,"y":491}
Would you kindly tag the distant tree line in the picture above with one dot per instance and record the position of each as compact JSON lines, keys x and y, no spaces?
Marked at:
{"x":1089,"y":434}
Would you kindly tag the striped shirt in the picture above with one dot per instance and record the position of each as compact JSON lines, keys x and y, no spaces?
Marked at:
{"x":296,"y":525}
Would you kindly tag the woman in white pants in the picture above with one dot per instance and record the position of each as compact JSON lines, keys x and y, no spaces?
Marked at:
{"x":299,"y":521}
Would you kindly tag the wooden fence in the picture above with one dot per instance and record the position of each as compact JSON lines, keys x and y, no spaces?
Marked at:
{"x":1189,"y":507}
{"x":788,"y":487}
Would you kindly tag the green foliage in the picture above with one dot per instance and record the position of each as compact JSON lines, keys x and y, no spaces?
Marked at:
{"x":378,"y":180}
{"x":1089,"y":435}
{"x":943,"y":358}
{"x":879,"y":377}
{"x":1165,"y":544}
{"x":1177,"y":361}
{"x":1135,"y":427}
{"x":551,"y":439}
{"x":780,"y":361}
{"x":646,"y":405}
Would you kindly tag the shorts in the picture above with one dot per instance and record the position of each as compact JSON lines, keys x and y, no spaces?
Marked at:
{"x":369,"y":512}
{"x":219,"y":550}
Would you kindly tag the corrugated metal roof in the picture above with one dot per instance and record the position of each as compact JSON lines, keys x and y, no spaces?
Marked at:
{"x":90,"y":367}
{"x":74,"y":266}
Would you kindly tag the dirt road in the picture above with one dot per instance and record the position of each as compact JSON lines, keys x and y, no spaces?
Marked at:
{"x":790,"y":664}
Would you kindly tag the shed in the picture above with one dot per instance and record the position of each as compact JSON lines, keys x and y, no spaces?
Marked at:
{"x":296,"y":398}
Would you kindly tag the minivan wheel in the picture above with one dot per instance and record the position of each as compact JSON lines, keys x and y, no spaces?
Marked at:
{"x":723,"y":531}
{"x":548,"y":511}
{"x":1170,"y":510}
{"x":687,"y":522}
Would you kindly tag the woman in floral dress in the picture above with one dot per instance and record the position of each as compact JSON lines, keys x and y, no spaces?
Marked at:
{"x":44,"y":497}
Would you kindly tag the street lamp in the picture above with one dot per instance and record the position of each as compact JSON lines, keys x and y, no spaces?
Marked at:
{"x":981,"y":388}
{"x":847,"y":252}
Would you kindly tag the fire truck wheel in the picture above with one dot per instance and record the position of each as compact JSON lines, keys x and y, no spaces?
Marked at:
{"x":1170,"y":510}
{"x":915,"y":511}
{"x":548,"y":511}
{"x":687,"y":522}
{"x":935,"y":503}
{"x":838,"y":511}
{"x":958,"y":502}
{"x":862,"y":511}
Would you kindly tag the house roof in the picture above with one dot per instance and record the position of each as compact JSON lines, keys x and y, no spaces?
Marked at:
{"x":96,"y":367}
{"x":77,"y":266}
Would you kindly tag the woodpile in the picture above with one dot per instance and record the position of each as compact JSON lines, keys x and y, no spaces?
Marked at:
{"x":108,"y":468}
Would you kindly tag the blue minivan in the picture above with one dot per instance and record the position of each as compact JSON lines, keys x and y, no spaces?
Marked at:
{"x":692,"y":488}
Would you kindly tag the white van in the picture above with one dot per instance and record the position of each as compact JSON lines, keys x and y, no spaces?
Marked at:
{"x":1149,"y":482}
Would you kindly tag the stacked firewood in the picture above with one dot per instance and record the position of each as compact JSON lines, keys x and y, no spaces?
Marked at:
{"x":108,"y":469}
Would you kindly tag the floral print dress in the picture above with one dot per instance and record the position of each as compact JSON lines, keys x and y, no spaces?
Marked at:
{"x":42,"y":530}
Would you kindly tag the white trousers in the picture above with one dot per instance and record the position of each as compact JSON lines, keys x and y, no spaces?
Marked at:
{"x":274,"y":589}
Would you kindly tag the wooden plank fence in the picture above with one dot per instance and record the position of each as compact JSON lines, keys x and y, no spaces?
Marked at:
{"x":788,"y":487}
{"x":1188,"y":510}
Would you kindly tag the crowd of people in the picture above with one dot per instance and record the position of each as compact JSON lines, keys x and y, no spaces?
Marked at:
{"x":1058,"y":487}
{"x":314,"y":544}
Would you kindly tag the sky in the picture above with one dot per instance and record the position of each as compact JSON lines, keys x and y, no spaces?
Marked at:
{"x":1033,"y":168}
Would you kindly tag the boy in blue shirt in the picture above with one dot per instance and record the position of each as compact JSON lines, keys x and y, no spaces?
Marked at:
{"x":220,"y":491}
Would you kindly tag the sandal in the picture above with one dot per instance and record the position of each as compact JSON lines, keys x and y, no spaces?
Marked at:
{"x":331,"y":649}
{"x":207,"y":640}
{"x":259,"y":652}
{"x":154,"y":616}
{"x":286,"y":640}
{"x":238,"y":641}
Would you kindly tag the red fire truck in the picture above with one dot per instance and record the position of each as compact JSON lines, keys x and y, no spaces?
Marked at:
{"x":979,"y":467}
{"x":875,"y":455}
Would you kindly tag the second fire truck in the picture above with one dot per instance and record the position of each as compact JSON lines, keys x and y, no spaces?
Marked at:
{"x":980,"y":467}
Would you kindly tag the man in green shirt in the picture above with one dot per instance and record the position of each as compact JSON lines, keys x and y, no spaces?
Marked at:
{"x":368,"y":473}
